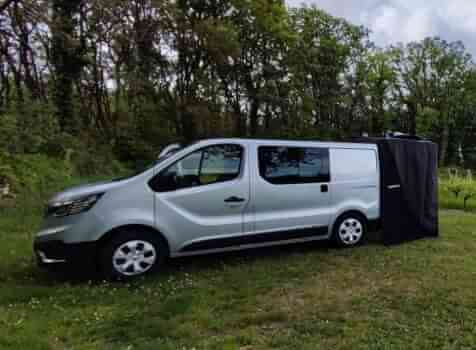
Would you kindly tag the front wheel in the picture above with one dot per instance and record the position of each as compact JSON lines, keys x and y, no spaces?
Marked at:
{"x":131,"y":254}
{"x":349,"y":230}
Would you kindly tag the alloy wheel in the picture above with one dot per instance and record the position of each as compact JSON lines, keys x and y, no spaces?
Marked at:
{"x":351,"y":231}
{"x":134,"y":257}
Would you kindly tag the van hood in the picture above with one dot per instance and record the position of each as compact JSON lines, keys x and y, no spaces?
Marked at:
{"x":85,"y":190}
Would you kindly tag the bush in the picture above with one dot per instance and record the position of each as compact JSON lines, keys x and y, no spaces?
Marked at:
{"x":29,"y":129}
{"x":30,"y":174}
{"x":460,"y":187}
{"x":454,"y":185}
{"x":38,"y":174}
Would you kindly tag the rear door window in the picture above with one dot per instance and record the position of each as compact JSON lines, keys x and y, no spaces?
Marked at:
{"x":293,"y":165}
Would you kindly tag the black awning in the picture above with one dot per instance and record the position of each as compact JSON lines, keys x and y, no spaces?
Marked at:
{"x":409,"y":188}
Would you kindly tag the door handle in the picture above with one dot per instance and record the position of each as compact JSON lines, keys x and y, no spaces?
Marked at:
{"x":234,"y":199}
{"x":324,"y":188}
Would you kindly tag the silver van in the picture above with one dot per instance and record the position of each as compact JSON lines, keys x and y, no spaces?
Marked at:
{"x":213,"y":196}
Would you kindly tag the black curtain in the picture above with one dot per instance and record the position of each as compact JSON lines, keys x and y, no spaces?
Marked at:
{"x":409,"y":189}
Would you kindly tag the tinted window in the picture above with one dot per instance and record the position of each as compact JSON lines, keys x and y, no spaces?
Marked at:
{"x":204,"y":167}
{"x":294,"y":165}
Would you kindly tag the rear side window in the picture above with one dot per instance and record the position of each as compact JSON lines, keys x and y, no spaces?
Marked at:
{"x":293,"y":165}
{"x":207,"y":166}
{"x":353,"y":164}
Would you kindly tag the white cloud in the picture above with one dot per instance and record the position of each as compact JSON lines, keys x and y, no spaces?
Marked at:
{"x":385,"y":24}
{"x":462,"y":13}
{"x":394,"y":21}
{"x":391,"y":24}
{"x":418,"y":25}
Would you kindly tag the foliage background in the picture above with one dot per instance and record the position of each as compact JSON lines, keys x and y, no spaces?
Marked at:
{"x":84,"y":82}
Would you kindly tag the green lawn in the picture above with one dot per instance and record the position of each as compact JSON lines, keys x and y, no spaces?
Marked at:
{"x":420,"y":295}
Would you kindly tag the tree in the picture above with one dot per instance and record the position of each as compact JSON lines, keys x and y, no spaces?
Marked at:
{"x":68,"y":47}
{"x":327,"y":50}
{"x":133,"y":76}
{"x":380,"y":78}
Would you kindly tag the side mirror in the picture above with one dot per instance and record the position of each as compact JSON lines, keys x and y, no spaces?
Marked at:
{"x":169,"y":150}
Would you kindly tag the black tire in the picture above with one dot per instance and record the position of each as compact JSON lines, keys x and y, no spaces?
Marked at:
{"x":145,"y":244}
{"x":349,"y":230}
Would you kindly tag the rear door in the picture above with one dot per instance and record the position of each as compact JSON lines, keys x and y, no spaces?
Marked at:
{"x":203,"y":196}
{"x":355,"y":181}
{"x":290,"y":191}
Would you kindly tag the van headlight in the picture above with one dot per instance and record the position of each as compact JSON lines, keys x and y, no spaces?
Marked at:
{"x":74,"y":206}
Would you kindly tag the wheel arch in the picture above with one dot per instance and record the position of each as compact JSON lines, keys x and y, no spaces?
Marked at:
{"x":357,"y":214}
{"x":350,"y":212}
{"x":106,"y":237}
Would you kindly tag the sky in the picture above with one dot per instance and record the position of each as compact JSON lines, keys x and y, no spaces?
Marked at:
{"x":393,"y":21}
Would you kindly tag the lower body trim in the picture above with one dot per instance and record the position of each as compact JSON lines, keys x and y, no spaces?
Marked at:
{"x":218,"y":243}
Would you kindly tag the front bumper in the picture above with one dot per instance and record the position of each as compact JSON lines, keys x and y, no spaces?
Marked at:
{"x":55,"y":253}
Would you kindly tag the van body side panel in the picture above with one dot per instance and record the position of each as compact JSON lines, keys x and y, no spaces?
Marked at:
{"x":189,"y":215}
{"x":355,"y":181}
{"x":129,"y":204}
{"x":288,"y":207}
{"x":249,"y":215}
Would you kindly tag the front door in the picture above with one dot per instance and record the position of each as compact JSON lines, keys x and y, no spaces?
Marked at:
{"x":203,"y":197}
{"x":291,"y":192}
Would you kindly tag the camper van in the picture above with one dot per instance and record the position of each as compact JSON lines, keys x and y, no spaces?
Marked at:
{"x":214,"y":196}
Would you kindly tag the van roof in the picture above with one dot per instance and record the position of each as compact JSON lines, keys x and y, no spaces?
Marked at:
{"x":285,"y":142}
{"x":370,"y":144}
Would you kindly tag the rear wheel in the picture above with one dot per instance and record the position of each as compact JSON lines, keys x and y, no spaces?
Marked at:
{"x":349,"y":230}
{"x":134,"y":252}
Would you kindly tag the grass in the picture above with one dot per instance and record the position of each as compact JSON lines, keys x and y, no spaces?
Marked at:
{"x":415,"y":296}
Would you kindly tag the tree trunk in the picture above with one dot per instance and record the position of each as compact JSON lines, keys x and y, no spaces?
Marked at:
{"x":254,"y":117}
{"x":412,"y":119}
{"x":65,"y":60}
{"x":445,"y":135}
{"x":239,"y":125}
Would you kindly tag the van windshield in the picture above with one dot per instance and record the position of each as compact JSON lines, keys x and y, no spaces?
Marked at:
{"x":147,"y":167}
